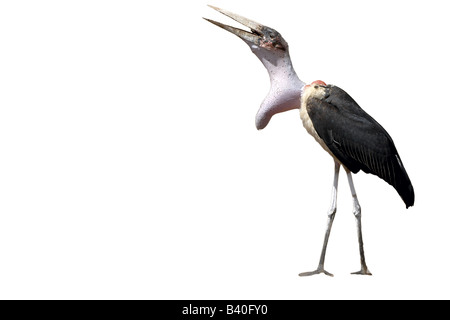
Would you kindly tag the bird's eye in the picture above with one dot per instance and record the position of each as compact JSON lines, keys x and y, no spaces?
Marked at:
{"x":272,"y":36}
{"x":316,"y":87}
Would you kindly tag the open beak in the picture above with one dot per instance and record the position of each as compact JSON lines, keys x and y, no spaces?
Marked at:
{"x":256,"y":28}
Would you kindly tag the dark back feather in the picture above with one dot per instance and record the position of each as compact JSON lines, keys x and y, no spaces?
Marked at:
{"x":357,"y":140}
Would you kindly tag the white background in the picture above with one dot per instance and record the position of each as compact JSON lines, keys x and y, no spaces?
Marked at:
{"x":131,"y":168}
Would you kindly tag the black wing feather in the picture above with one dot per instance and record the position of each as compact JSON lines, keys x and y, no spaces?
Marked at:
{"x":357,"y":140}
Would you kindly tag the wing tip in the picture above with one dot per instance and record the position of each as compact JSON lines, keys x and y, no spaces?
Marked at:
{"x":408,"y":196}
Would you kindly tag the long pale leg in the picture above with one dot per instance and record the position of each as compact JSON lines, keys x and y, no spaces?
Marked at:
{"x":331,"y":214}
{"x":357,"y":212}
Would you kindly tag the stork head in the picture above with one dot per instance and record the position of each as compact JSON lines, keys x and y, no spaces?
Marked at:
{"x":273,"y":51}
{"x":259,"y":37}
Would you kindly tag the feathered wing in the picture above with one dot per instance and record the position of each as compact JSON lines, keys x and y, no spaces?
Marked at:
{"x":358,"y":141}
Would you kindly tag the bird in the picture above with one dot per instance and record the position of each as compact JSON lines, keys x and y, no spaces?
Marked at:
{"x":355,"y":140}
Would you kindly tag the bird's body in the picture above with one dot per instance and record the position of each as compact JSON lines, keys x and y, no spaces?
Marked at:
{"x":352,"y":137}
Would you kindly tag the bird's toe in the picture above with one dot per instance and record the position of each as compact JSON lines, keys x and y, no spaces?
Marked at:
{"x":318,"y":271}
{"x":363,"y":272}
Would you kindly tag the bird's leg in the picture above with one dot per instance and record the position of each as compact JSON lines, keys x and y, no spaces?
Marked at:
{"x":357,"y":212}
{"x":331,"y":214}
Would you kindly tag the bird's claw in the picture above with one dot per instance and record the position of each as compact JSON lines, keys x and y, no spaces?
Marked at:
{"x":318,"y":271}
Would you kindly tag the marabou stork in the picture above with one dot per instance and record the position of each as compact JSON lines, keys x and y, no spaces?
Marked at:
{"x":352,"y":137}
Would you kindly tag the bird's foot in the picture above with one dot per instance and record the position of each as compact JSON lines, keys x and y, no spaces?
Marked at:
{"x":364,"y":271}
{"x":318,"y":271}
